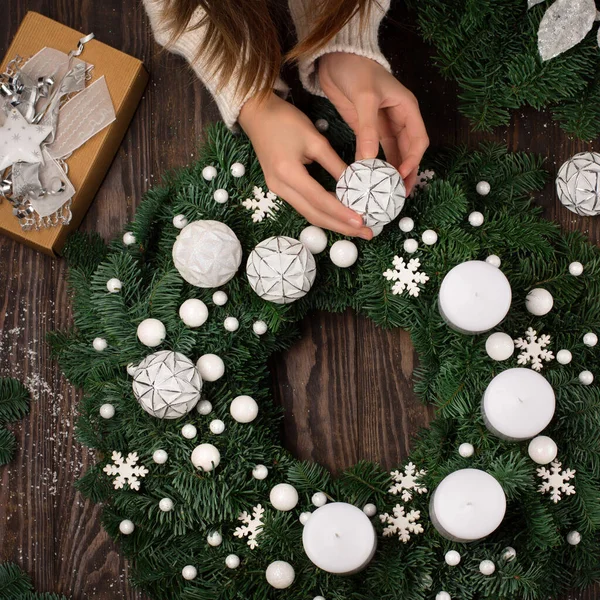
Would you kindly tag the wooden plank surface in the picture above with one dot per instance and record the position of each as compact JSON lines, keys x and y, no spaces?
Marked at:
{"x":346,"y":386}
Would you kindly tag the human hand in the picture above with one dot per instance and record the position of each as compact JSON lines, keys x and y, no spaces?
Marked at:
{"x":378,"y":108}
{"x":285,"y":140}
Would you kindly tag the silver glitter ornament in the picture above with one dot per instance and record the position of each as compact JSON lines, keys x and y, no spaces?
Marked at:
{"x":578,"y":184}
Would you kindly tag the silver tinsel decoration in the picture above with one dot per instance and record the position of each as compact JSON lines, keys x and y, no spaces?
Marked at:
{"x":578,"y":184}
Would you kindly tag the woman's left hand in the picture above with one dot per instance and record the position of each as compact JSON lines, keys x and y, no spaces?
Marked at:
{"x":378,"y":108}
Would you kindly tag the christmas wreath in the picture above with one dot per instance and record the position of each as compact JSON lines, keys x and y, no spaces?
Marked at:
{"x":192,"y":475}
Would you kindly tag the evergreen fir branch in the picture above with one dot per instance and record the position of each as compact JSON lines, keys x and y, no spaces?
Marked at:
{"x":13,"y":582}
{"x":14,"y":400}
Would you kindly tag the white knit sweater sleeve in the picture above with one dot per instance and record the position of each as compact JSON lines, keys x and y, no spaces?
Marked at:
{"x":186,"y":45}
{"x":355,"y":37}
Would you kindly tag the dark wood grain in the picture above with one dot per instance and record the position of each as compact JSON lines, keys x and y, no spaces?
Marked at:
{"x":346,"y":386}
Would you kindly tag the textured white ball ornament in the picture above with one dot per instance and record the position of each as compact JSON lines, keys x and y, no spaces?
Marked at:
{"x":207,"y":254}
{"x":214,"y":539}
{"x":180,"y":221}
{"x":374,"y":189}
{"x":206,"y":457}
{"x":160,"y":457}
{"x":166,"y":505}
{"x":493,"y":260}
{"x":238,"y":169}
{"x":107,"y":411}
{"x":243,"y":409}
{"x":151,"y":332}
{"x":318,"y":598}
{"x":284,"y":496}
{"x":304,"y":517}
{"x":370,"y":510}
{"x":322,"y":125}
{"x":221,"y":196}
{"x":211,"y":367}
{"x":280,"y":574}
{"x":509,"y":554}
{"x":231,"y":324}
{"x":128,"y":238}
{"x":576,"y":269}
{"x":189,"y":572}
{"x":209,"y":173}
{"x":466,"y":450}
{"x":452,"y":558}
{"x":411,"y":246}
{"x":204,"y":407}
{"x":476,"y":219}
{"x":232,"y":561}
{"x":314,"y":238}
{"x":429,"y":237}
{"x":586,"y":377}
{"x":499,"y":346}
{"x":483,"y":188}
{"x":126,"y":527}
{"x":443,"y":596}
{"x":131,"y":369}
{"x":343,"y":253}
{"x":406,"y":224}
{"x":189,"y":431}
{"x":573,"y":538}
{"x":167,"y":385}
{"x":590,"y":339}
{"x":564,"y":357}
{"x":260,"y":472}
{"x":319,"y":499}
{"x":220,"y":298}
{"x":99,"y":344}
{"x":539,"y":302}
{"x":260,"y":327}
{"x":281,"y":269}
{"x":193,"y":312}
{"x":487,"y":567}
{"x":578,"y":184}
{"x":542,"y":449}
{"x":216,"y":426}
{"x":114,"y":285}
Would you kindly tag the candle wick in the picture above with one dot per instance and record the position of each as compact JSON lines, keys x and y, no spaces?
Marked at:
{"x":337,"y":535}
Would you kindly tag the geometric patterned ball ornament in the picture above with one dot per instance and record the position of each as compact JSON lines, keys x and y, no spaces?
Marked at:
{"x":207,"y":254}
{"x":374,"y":189}
{"x":281,"y":269}
{"x":167,"y":384}
{"x":578,"y":184}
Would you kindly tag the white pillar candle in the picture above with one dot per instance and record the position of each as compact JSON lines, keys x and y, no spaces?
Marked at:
{"x":474,"y":297}
{"x":339,"y":538}
{"x":467,"y":505}
{"x":518,"y":404}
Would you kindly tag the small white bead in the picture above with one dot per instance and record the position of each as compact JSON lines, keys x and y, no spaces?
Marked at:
{"x":476,"y":219}
{"x":166,"y":505}
{"x":487,"y":567}
{"x":233,"y":561}
{"x":370,"y":510}
{"x":260,"y":328}
{"x":260,"y":472}
{"x":343,"y":254}
{"x":204,"y":407}
{"x":539,"y":302}
{"x":219,"y":298}
{"x":221,"y":196}
{"x":128,"y":238}
{"x":206,"y":457}
{"x":160,"y":457}
{"x":586,"y":377}
{"x":319,"y":499}
{"x":509,"y":554}
{"x":573,"y":538}
{"x":411,"y":245}
{"x":214,"y":539}
{"x":576,"y":269}
{"x":231,"y":324}
{"x":304,"y":517}
{"x":452,"y":558}
{"x":483,"y":188}
{"x":280,"y":575}
{"x":211,"y":367}
{"x":590,"y":339}
{"x":443,"y":596}
{"x":466,"y":450}
{"x":126,"y":527}
{"x":429,"y":237}
{"x":189,"y":431}
{"x":100,"y":344}
{"x":180,"y":221}
{"x":238,"y":169}
{"x":284,"y":496}
{"x":209,"y":173}
{"x":322,"y":125}
{"x":131,"y":369}
{"x":189,"y":572}
{"x":493,"y":260}
{"x":107,"y":411}
{"x":314,"y":238}
{"x":542,"y":449}
{"x":564,"y":357}
{"x":499,"y":346}
{"x":406,"y":224}
{"x":243,"y":409}
{"x":193,"y":312}
{"x":318,"y":598}
{"x":217,"y":426}
{"x":151,"y":332}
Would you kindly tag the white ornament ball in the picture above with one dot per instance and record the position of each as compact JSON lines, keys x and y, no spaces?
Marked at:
{"x":233,"y":561}
{"x":578,"y":184}
{"x":189,"y":572}
{"x":128,"y":238}
{"x":281,"y":269}
{"x":443,"y":596}
{"x":99,"y":344}
{"x":499,"y":346}
{"x":214,"y":539}
{"x":406,"y":224}
{"x":590,"y":339}
{"x":429,"y":237}
{"x":576,"y":269}
{"x":260,"y":327}
{"x":204,"y":407}
{"x":318,"y":598}
{"x":319,"y":499}
{"x":216,"y":426}
{"x":189,"y":431}
{"x":238,"y":169}
{"x":180,"y":221}
{"x":260,"y":472}
{"x":206,"y":457}
{"x":314,"y":238}
{"x":452,"y":558}
{"x":160,"y":457}
{"x":466,"y":450}
{"x":280,"y":575}
{"x":151,"y":332}
{"x":539,"y":302}
{"x":207,"y":254}
{"x":131,"y":369}
{"x":114,"y":285}
{"x":126,"y":527}
{"x":107,"y":411}
{"x":209,"y":173}
{"x":220,"y":298}
{"x":509,"y":554}
{"x":231,"y":324}
{"x":586,"y":377}
{"x":411,"y":246}
{"x":156,"y":379}
{"x":374,"y":189}
{"x":193,"y":312}
{"x":343,"y":253}
{"x":483,"y":188}
{"x":564,"y":357}
{"x":370,"y":510}
{"x":542,"y":449}
{"x":211,"y":367}
{"x":573,"y":538}
{"x":284,"y":496}
{"x":166,"y":505}
{"x":487,"y":567}
{"x":493,"y":260}
{"x":243,"y":409}
{"x":322,"y":125}
{"x":304,"y":517}
{"x":221,"y":196}
{"x":476,"y":219}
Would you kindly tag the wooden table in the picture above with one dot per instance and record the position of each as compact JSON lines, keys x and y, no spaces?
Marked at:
{"x":346,"y":385}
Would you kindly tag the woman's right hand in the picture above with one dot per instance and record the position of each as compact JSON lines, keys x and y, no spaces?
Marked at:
{"x":285,"y":141}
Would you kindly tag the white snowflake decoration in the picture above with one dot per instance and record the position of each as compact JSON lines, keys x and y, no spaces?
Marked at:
{"x":253,"y":525}
{"x":126,"y":470}
{"x":556,"y":481}
{"x":534,"y":349}
{"x":406,"y":276}
{"x":423,"y":179}
{"x":406,"y":482}
{"x":263,"y":205}
{"x":401,"y":524}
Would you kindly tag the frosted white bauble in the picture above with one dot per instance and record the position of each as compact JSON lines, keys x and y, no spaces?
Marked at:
{"x":443,"y":596}
{"x":232,"y":561}
{"x":206,"y":457}
{"x":539,"y":302}
{"x":166,"y":505}
{"x":406,"y":224}
{"x":429,"y":237}
{"x":231,"y":324}
{"x":126,"y":527}
{"x":314,"y":238}
{"x":411,"y":246}
{"x":193,"y":312}
{"x":221,"y":196}
{"x":542,"y":449}
{"x":260,"y":327}
{"x":343,"y":253}
{"x":586,"y":377}
{"x":493,"y":260}
{"x":211,"y":367}
{"x":260,"y":472}
{"x":204,"y":407}
{"x":281,"y":270}
{"x":167,"y":385}
{"x":476,"y":219}
{"x":564,"y":357}
{"x":284,"y":496}
{"x":578,"y":184}
{"x":319,"y":499}
{"x":131,"y":369}
{"x":590,"y":339}
{"x":189,"y":572}
{"x":576,"y":269}
{"x":322,"y":125}
{"x":151,"y":332}
{"x":207,"y":254}
{"x":180,"y":221}
{"x":220,"y":298}
{"x":99,"y":344}
{"x":483,"y":188}
{"x":509,"y":554}
{"x":128,"y":238}
{"x":370,"y":510}
{"x":114,"y":285}
{"x":499,"y":346}
{"x":487,"y":567}
{"x":214,"y":539}
{"x":243,"y":409}
{"x":374,"y":189}
{"x":280,"y":575}
{"x":304,"y":517}
{"x":573,"y":538}
{"x":452,"y":558}
{"x":189,"y":431}
{"x":216,"y":426}
{"x":160,"y":457}
{"x":209,"y":173}
{"x":238,"y":169}
{"x":107,"y":411}
{"x":318,"y":598}
{"x":466,"y":450}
